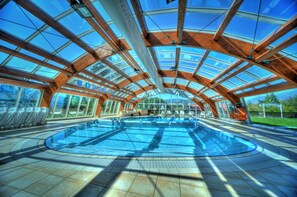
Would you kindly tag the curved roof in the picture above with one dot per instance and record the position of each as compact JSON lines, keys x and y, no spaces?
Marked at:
{"x":210,"y":49}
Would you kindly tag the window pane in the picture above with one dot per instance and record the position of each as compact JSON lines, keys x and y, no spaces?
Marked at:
{"x":8,"y":95}
{"x":61,"y":106}
{"x":83,"y":106}
{"x":73,"y":106}
{"x":29,"y":97}
{"x":91,"y":107}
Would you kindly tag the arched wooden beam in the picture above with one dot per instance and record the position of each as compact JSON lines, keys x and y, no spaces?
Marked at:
{"x":188,"y":76}
{"x":229,"y":46}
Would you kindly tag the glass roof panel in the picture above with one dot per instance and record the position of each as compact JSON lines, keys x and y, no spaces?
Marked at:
{"x":75,"y":23}
{"x":53,"y":7}
{"x":222,"y":57}
{"x":168,"y":80}
{"x":133,"y":87}
{"x":279,"y":81}
{"x":228,"y":85}
{"x":136,"y":58}
{"x":259,"y":72}
{"x":8,"y":45}
{"x":46,"y":72}
{"x":284,"y":9}
{"x":195,"y":51}
{"x":31,"y":54}
{"x":101,"y":10}
{"x":210,"y":93}
{"x":71,"y":52}
{"x":149,"y":5}
{"x":207,"y":21}
{"x":236,"y":81}
{"x":20,"y":64}
{"x":205,"y":73}
{"x":142,"y":83}
{"x":166,"y":21}
{"x":15,"y":19}
{"x":3,"y":56}
{"x":209,"y":4}
{"x":55,"y":63}
{"x":115,"y":30}
{"x":195,"y":85}
{"x":264,"y":29}
{"x":182,"y":81}
{"x":246,"y":77}
{"x":93,"y":39}
{"x":49,"y":35}
{"x":218,"y":65}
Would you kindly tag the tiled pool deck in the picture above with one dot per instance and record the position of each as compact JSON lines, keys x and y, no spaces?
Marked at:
{"x":27,"y":168}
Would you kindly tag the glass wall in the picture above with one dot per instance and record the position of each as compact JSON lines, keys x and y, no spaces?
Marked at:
{"x":277,"y":108}
{"x":71,"y":106}
{"x":14,"y":96}
{"x":168,"y":104}
{"x":223,"y":109}
{"x":110,"y":108}
{"x":128,"y":106}
{"x":208,"y":112}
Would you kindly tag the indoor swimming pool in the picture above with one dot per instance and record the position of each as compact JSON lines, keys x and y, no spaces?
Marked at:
{"x":148,"y":137}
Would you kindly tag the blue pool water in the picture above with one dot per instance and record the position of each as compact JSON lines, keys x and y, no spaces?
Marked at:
{"x":148,"y":137}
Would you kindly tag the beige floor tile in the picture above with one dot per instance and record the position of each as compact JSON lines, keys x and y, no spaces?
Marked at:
{"x":103,"y":179}
{"x":27,"y":180}
{"x":166,"y":188}
{"x":192,"y":181}
{"x":65,"y":188}
{"x":83,"y":176}
{"x":24,"y":194}
{"x":90,"y":191}
{"x":143,"y":185}
{"x":129,"y":194}
{"x":109,"y":192}
{"x":7,"y":191}
{"x":64,"y":173}
{"x":13,"y":176}
{"x":190,"y":191}
{"x":122,"y":182}
{"x":170,"y":178}
{"x":43,"y":185}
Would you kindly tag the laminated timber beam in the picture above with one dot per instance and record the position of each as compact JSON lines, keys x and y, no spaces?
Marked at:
{"x":182,"y":5}
{"x":32,"y":59}
{"x":225,"y":45}
{"x":141,"y":21}
{"x":285,"y":28}
{"x":205,"y":55}
{"x":22,"y":83}
{"x":268,"y":89}
{"x":256,"y":83}
{"x":17,"y":73}
{"x":32,"y":48}
{"x":47,"y":19}
{"x":230,"y":14}
{"x":229,"y":46}
{"x":100,"y":20}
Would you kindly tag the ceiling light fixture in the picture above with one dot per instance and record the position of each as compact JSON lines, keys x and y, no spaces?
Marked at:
{"x":81,"y":8}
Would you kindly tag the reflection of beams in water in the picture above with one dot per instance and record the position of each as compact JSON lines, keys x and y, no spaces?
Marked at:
{"x":195,"y":139}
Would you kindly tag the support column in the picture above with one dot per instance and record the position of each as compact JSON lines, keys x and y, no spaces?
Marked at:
{"x":46,"y":98}
{"x":100,"y":105}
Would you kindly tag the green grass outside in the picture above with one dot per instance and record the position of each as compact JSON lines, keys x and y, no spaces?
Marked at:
{"x":287,"y":122}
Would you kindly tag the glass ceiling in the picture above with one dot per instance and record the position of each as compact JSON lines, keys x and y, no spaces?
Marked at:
{"x":158,"y":16}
